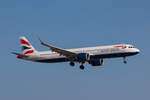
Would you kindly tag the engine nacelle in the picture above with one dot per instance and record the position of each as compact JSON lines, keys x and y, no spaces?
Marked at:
{"x":96,"y":62}
{"x":83,"y":57}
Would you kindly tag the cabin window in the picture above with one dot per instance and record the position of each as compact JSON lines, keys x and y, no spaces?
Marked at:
{"x":131,"y":46}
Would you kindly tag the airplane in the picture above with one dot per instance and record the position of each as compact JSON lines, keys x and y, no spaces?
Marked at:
{"x":93,"y":55}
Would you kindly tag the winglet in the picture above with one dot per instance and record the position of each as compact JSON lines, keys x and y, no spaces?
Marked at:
{"x":47,"y":45}
{"x":40,"y":40}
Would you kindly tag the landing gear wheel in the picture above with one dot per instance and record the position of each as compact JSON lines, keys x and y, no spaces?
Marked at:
{"x":124,"y":60}
{"x":81,"y":67}
{"x":72,"y":64}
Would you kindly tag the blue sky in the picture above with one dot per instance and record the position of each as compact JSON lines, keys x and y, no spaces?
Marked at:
{"x":72,"y":24}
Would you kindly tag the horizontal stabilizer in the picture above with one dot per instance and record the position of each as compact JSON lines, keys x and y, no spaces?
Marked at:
{"x":19,"y":55}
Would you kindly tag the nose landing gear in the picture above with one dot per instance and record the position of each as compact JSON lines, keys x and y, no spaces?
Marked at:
{"x":81,"y":67}
{"x":124,"y":60}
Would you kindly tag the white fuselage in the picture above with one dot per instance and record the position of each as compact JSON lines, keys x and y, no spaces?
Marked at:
{"x":121,"y":50}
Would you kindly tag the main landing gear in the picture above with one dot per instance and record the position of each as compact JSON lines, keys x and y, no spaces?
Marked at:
{"x":124,"y":60}
{"x":72,"y":64}
{"x":81,"y":67}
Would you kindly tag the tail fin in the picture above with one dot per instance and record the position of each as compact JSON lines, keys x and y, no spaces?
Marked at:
{"x":27,"y":48}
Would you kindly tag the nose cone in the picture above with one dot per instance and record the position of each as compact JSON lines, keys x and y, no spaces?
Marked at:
{"x":137,"y":51}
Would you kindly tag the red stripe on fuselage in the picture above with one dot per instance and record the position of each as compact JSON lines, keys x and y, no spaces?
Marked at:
{"x":29,"y":52}
{"x":120,"y":46}
{"x":24,"y":42}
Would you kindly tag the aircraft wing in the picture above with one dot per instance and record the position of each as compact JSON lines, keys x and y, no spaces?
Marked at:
{"x":63,"y":52}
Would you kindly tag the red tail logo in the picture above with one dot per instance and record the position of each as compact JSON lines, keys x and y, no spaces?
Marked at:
{"x":27,"y":48}
{"x":29,"y":52}
{"x":24,"y":42}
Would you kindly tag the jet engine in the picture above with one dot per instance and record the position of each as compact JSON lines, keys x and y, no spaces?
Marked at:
{"x":96,"y":62}
{"x":83,"y":57}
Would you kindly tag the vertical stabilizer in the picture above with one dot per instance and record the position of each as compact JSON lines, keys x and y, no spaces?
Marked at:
{"x":27,"y":48}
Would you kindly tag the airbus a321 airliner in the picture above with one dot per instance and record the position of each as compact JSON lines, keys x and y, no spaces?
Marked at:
{"x":92,"y":55}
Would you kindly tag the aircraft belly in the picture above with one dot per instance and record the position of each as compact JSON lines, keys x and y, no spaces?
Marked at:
{"x":64,"y":59}
{"x":53,"y":60}
{"x":113,"y":55}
